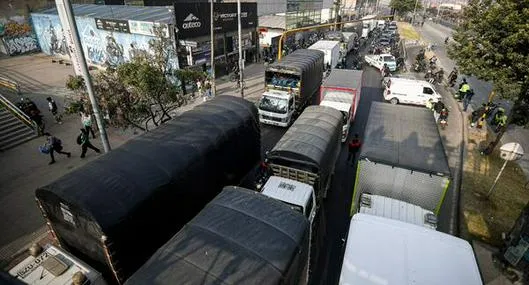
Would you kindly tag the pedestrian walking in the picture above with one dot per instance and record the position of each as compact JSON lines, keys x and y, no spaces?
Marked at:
{"x":84,"y":140}
{"x":86,"y":120}
{"x":467,"y":99}
{"x":199,"y":87}
{"x":52,"y":145}
{"x":354,"y":145}
{"x":52,"y":106}
{"x":207,"y":86}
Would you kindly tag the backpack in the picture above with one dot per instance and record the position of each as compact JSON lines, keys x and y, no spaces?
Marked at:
{"x":44,"y":149}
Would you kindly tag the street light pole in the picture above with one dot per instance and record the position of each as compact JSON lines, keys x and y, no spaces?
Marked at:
{"x":64,"y":5}
{"x":212,"y":51}
{"x":241,"y":60}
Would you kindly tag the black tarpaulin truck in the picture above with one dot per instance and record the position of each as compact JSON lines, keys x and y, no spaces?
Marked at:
{"x":290,"y":86}
{"x":240,"y":237}
{"x":117,"y":210}
{"x":307,"y":152}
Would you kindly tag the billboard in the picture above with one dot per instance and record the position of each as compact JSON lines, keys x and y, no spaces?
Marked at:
{"x":193,"y":19}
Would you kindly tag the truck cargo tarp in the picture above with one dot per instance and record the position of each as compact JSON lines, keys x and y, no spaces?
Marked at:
{"x":304,"y":62}
{"x":142,"y":193}
{"x":404,"y":136}
{"x":344,"y":78}
{"x":240,"y":237}
{"x":312,"y":138}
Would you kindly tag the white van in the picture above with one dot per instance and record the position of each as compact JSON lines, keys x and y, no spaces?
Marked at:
{"x":387,"y":251}
{"x":409,"y":91}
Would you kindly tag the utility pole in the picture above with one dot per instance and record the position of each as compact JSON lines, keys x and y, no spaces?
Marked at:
{"x":241,"y":60}
{"x":212,"y":48}
{"x":414,"y":12}
{"x":64,"y":5}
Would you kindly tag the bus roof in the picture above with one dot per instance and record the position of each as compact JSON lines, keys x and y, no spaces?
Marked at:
{"x":385,"y":251}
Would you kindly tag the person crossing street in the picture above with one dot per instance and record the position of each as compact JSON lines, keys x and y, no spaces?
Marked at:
{"x":84,"y":140}
{"x":353,"y":146}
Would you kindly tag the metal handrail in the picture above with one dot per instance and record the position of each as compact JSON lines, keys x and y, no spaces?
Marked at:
{"x":11,"y":84}
{"x":17,"y":112}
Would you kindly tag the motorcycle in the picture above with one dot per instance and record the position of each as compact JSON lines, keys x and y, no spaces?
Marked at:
{"x":419,"y":66}
{"x":429,"y":76}
{"x":443,"y":123}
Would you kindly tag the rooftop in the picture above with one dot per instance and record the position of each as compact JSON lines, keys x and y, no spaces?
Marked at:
{"x":120,"y":12}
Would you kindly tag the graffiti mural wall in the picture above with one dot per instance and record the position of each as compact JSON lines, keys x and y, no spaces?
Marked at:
{"x":21,"y":44}
{"x":17,"y":38}
{"x":100,"y":47}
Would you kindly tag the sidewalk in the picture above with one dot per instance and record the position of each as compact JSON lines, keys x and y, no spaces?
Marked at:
{"x":490,"y":273}
{"x":26,"y":169}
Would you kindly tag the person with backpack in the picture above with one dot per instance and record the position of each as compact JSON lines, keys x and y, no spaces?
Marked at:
{"x":84,"y":141}
{"x":353,"y":146}
{"x":52,"y":145}
{"x":52,"y":106}
{"x":86,"y":120}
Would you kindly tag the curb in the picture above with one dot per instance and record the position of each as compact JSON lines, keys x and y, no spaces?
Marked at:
{"x":454,"y":225}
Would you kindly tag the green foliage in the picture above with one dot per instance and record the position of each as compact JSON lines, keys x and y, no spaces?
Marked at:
{"x":136,"y":92}
{"x":492,"y":43}
{"x":405,"y":6}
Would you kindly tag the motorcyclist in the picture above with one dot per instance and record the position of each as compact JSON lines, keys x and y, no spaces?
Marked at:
{"x":433,"y":62}
{"x":464,"y":87}
{"x":385,"y":70}
{"x":437,"y":108}
{"x":443,"y":115}
{"x":420,"y":55}
{"x":452,"y":77}
{"x":439,"y":75}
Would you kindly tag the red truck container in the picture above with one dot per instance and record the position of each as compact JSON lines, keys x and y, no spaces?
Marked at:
{"x":341,"y":91}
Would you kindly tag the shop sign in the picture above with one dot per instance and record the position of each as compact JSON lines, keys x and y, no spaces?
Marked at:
{"x":147,"y":28}
{"x":193,"y":19}
{"x":121,"y":26}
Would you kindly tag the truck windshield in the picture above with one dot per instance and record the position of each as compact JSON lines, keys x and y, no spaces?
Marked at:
{"x":389,"y":59}
{"x":274,"y":104}
{"x":294,"y":207}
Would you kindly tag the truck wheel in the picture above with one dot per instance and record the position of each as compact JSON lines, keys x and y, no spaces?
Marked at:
{"x":394,"y":101}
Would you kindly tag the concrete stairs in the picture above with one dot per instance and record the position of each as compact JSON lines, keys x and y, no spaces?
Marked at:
{"x":12,"y":130}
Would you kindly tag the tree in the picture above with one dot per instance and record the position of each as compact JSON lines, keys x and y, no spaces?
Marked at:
{"x":405,"y":6}
{"x":491,"y":43}
{"x":136,"y":92}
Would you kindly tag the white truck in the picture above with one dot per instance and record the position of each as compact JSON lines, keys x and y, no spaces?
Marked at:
{"x":341,"y":90}
{"x":387,"y":251}
{"x":54,"y":266}
{"x":390,"y":208}
{"x":331,"y":49}
{"x":290,"y":85}
{"x":402,"y":157}
{"x":378,"y":61}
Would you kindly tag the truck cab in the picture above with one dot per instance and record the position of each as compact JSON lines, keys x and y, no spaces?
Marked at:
{"x":331,"y":99}
{"x":277,"y":108}
{"x":298,"y":196}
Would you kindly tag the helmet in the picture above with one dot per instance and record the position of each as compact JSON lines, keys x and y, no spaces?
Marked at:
{"x":464,"y":80}
{"x":501,"y":110}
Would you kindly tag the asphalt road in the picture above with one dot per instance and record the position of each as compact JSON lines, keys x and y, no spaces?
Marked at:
{"x":436,"y":34}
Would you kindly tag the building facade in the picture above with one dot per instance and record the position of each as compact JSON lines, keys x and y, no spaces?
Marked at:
{"x":110,"y":35}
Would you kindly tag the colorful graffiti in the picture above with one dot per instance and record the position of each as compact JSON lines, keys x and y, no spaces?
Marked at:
{"x":100,"y":47}
{"x":21,"y":44}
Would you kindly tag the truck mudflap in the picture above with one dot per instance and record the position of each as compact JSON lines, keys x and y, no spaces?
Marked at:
{"x":294,"y":174}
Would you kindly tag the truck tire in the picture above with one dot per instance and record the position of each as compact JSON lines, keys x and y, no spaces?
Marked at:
{"x":394,"y":101}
